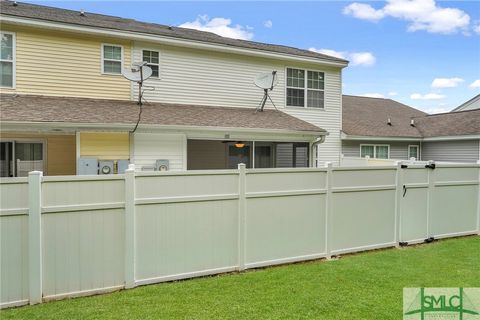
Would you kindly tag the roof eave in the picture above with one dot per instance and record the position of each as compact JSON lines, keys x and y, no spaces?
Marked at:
{"x":60,"y":26}
{"x":6,"y":125}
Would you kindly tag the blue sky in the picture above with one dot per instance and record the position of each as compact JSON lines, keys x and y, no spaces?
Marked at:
{"x":423,"y":53}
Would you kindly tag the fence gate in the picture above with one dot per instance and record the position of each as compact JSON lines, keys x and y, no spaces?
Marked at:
{"x":437,"y":202}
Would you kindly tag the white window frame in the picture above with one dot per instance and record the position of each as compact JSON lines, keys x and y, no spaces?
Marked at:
{"x":418,"y":151}
{"x":156,"y":64}
{"x":13,"y":61}
{"x":305,"y":88}
{"x":102,"y":59}
{"x":375,"y":149}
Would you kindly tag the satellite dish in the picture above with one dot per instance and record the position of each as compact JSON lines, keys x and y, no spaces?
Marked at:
{"x":138,"y":73}
{"x":266,"y":80}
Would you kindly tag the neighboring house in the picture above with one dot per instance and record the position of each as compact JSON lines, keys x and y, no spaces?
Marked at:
{"x":387,"y":129}
{"x":471,"y":104}
{"x":64,"y":98}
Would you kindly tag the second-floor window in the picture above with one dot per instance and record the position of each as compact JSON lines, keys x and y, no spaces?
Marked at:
{"x":152,"y":60}
{"x":7,"y":59}
{"x":305,"y":88}
{"x":112,"y":57}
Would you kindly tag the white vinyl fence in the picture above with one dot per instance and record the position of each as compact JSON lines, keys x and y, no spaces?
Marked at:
{"x":81,"y":235}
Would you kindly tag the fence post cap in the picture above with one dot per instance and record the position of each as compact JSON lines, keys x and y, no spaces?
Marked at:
{"x":241,"y":166}
{"x":35,"y":173}
{"x":328,"y":164}
{"x":131,"y":166}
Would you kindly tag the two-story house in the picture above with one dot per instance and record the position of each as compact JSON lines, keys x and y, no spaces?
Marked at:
{"x":65,"y":103}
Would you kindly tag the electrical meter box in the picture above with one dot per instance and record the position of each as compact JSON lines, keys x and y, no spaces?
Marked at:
{"x":105,"y":167}
{"x":87,"y":166}
{"x":162,"y":165}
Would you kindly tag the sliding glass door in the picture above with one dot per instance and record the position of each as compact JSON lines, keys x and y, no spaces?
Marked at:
{"x":18,"y":158}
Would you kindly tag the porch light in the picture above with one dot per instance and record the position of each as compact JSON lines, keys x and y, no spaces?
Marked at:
{"x":239,"y":145}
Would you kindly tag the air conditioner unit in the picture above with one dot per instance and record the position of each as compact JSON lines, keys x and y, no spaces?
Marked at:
{"x":105,"y":167}
{"x":162,"y":165}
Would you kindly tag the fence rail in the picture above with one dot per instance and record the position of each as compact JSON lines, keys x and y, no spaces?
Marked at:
{"x":81,"y":235}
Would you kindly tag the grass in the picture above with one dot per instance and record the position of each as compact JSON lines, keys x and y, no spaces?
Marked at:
{"x":361,"y":286}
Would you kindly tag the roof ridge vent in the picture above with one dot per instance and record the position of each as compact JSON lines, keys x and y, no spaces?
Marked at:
{"x":82,"y":12}
{"x":14,"y":3}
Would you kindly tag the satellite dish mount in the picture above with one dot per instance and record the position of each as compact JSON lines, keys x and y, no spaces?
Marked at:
{"x":266,"y":81}
{"x":138,"y":73}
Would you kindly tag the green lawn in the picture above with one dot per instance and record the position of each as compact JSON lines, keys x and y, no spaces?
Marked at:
{"x":361,"y":286}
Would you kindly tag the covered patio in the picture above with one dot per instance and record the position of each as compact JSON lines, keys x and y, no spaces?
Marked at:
{"x":180,"y":137}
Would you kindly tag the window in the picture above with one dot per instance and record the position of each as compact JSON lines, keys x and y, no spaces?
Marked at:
{"x":305,"y":88}
{"x":413,"y":152}
{"x":152,"y":60}
{"x":7,"y":59}
{"x":112,"y":57}
{"x":381,"y":151}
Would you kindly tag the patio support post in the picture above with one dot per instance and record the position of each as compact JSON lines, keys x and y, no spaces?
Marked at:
{"x":241,"y":215}
{"x":130,"y":226}
{"x":35,"y":236}
{"x":328,"y":211}
{"x":398,"y":200}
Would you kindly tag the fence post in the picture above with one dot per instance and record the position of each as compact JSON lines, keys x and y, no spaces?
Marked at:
{"x":398,"y":201}
{"x":478,"y":199}
{"x":130,"y":226}
{"x":35,"y":236}
{"x":328,"y":211}
{"x":241,"y":215}
{"x":431,"y":189}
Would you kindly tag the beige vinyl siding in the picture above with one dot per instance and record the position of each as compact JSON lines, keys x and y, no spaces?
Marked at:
{"x":451,"y":151}
{"x":105,"y":146}
{"x":65,"y":64}
{"x":198,"y":77}
{"x":398,"y":149}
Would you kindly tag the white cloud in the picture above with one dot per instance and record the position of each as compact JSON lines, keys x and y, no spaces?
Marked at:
{"x":420,"y":15}
{"x":427,"y":96}
{"x":268,"y":24}
{"x":373,"y":95}
{"x":363,"y":11}
{"x":446,"y":82}
{"x":393,"y":93}
{"x":220,"y":26}
{"x":475,"y":84}
{"x":356,"y":58}
{"x":362,"y":59}
{"x":476,"y":28}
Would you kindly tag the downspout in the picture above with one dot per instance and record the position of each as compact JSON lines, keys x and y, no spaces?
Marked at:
{"x":313,"y":150}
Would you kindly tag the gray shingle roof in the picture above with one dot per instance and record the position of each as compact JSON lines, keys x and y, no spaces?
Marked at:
{"x":364,"y":116}
{"x":450,"y":124}
{"x":31,"y":108}
{"x":32,"y":11}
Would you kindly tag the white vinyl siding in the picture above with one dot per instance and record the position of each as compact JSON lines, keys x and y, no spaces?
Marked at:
{"x":150,"y":147}
{"x":451,"y":151}
{"x":7,"y":59}
{"x":210,"y":78}
{"x":112,"y":59}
